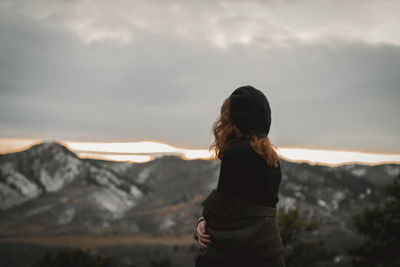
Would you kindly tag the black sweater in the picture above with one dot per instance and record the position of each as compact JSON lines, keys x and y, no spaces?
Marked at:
{"x":245,"y":175}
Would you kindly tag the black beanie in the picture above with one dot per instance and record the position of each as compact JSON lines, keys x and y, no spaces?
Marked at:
{"x":250,"y":111}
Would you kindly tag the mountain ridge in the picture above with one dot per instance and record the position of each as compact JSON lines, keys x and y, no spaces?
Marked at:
{"x":48,"y":190}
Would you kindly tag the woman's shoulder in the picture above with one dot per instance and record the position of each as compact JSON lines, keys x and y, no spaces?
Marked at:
{"x":238,"y":149}
{"x":242,"y":150}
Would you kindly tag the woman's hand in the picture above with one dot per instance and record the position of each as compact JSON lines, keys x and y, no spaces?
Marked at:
{"x":203,"y":238}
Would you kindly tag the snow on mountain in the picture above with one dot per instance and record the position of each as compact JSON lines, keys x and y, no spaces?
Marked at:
{"x":38,"y":210}
{"x":43,"y":168}
{"x":167,"y":223}
{"x":135,"y":192}
{"x":66,"y":216}
{"x":49,"y":185}
{"x":143,"y":175}
{"x":286,"y":203}
{"x":113,"y":201}
{"x":392,"y":170}
{"x":15,"y":188}
{"x":359,"y":172}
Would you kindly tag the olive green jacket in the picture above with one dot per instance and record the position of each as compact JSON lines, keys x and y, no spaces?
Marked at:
{"x":239,"y":229}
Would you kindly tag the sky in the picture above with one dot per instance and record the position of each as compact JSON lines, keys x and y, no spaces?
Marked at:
{"x":130,"y":71}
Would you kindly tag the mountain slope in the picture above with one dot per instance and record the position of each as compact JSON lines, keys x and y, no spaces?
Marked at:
{"x":48,"y":190}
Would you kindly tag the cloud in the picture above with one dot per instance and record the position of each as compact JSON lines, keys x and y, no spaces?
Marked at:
{"x":85,"y":70}
{"x":221,"y":23}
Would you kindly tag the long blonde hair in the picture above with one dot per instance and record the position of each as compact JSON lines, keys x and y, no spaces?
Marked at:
{"x":227,"y":133}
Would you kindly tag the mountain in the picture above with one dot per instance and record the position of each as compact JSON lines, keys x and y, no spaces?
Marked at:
{"x":48,"y":190}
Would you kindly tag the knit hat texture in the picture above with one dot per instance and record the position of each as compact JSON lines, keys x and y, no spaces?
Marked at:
{"x":250,"y":111}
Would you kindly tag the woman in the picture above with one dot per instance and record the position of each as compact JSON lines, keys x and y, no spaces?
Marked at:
{"x":239,"y":223}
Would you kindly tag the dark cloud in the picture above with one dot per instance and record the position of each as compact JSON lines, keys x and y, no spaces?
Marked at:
{"x":168,"y":86}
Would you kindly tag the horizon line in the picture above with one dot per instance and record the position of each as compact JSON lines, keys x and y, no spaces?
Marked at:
{"x":147,"y":150}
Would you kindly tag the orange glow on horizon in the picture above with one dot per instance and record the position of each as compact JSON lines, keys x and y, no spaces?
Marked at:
{"x":121,"y":147}
{"x":112,"y":157}
{"x":144,"y":151}
{"x":336,"y":157}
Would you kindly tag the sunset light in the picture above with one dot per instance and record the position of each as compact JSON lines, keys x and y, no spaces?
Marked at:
{"x":121,"y":147}
{"x":144,"y":151}
{"x":129,"y":158}
{"x":336,"y":157}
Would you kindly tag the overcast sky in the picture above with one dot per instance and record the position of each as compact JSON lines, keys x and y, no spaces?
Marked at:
{"x":160,"y":70}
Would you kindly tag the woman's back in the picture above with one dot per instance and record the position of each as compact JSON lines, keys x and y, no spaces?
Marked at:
{"x":240,"y":216}
{"x":245,"y":175}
